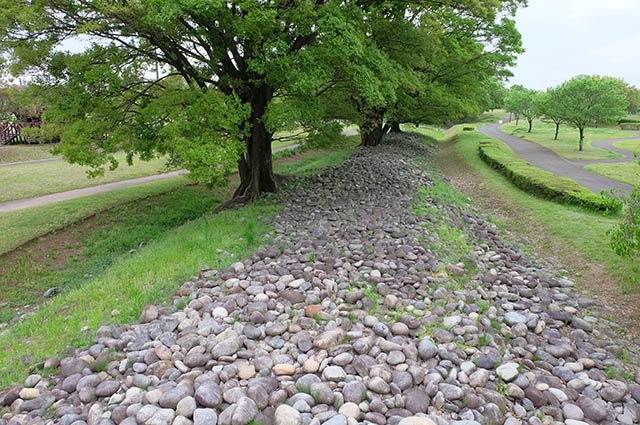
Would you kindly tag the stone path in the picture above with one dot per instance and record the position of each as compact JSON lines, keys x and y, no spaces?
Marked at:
{"x":548,"y":160}
{"x":372,"y":304}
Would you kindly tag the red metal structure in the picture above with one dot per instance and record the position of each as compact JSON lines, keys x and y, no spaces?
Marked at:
{"x":12,"y":131}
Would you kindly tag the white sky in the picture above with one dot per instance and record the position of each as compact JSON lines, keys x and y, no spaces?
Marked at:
{"x":565,"y":38}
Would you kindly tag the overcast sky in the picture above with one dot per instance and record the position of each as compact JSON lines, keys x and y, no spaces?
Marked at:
{"x":564,"y":38}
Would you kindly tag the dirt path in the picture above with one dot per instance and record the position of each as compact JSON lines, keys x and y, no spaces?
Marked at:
{"x":548,"y":160}
{"x":624,"y":307}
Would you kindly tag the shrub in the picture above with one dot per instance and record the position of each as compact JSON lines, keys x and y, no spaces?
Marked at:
{"x":542,"y":183}
{"x":630,"y":126}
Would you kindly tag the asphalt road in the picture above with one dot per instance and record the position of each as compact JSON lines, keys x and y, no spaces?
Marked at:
{"x":548,"y":160}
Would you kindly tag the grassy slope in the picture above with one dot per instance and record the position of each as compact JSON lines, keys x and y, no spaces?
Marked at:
{"x":568,"y":140}
{"x":20,"y":226}
{"x":20,"y":153}
{"x":582,"y":230}
{"x":625,"y":172}
{"x":29,"y":180}
{"x":90,"y":247}
{"x":151,"y":274}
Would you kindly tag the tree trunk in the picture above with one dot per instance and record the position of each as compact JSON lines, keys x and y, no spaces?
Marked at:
{"x":395,"y":127}
{"x":371,"y":131}
{"x":255,"y":166}
{"x":530,"y":125}
{"x":517,"y":119}
{"x":557,"y":129}
{"x":581,"y":136}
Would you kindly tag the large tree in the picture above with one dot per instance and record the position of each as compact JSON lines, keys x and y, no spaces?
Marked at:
{"x":590,"y":100}
{"x":442,"y":59}
{"x":225,"y":72}
{"x":422,"y":63}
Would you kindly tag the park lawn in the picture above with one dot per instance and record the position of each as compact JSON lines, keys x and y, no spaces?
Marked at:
{"x":29,"y":180}
{"x":21,"y":153}
{"x":629,"y":145}
{"x":582,"y":230}
{"x":18,"y":227}
{"x":128,"y":282}
{"x":625,"y":172}
{"x":426,"y":130}
{"x":568,"y":139}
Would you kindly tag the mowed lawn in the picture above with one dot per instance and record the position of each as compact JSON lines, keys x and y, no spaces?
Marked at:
{"x":630,"y":145}
{"x":18,"y":227}
{"x":29,"y":180}
{"x":568,"y":141}
{"x":625,"y":172}
{"x":21,"y":153}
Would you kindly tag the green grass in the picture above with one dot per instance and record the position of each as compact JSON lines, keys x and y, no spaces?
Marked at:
{"x":425,"y":130}
{"x":568,"y":140}
{"x":630,"y":145}
{"x":129,"y":282}
{"x":625,"y":172}
{"x":583,"y":230}
{"x":93,"y":250}
{"x":29,"y":180}
{"x":540,"y":182}
{"x":20,"y":153}
{"x":310,"y":164}
{"x":21,"y":226}
{"x":128,"y":285}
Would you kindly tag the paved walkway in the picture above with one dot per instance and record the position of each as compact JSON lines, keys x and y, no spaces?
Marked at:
{"x":79,"y":193}
{"x":35,"y":161}
{"x":548,"y":160}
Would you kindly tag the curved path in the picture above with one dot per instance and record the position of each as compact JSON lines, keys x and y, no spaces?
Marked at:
{"x":548,"y":160}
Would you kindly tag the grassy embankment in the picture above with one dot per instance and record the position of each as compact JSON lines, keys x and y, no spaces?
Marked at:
{"x":124,"y":282}
{"x":581,"y":231}
{"x":568,"y":140}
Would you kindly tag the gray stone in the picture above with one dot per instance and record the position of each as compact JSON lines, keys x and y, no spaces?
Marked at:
{"x":427,"y":349}
{"x":208,"y":394}
{"x":513,"y":318}
{"x":205,"y":417}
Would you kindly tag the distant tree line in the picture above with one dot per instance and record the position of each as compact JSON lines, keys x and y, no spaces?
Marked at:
{"x":583,"y":101}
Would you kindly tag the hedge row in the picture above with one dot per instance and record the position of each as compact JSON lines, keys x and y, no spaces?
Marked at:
{"x":542,"y":183}
{"x":630,"y":126}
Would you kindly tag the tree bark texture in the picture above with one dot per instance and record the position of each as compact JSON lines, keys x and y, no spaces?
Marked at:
{"x":372,"y":130}
{"x":530,"y":125}
{"x":255,"y":166}
{"x":581,"y":136}
{"x":395,"y":127}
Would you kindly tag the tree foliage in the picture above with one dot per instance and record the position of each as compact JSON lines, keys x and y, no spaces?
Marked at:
{"x":550,"y":107}
{"x":523,"y":102}
{"x":591,"y":100}
{"x":210,"y":82}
